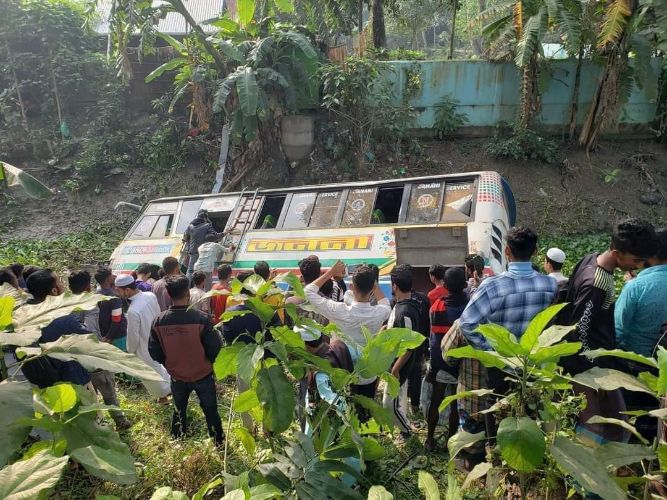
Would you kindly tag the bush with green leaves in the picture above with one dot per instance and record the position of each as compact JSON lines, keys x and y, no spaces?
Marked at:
{"x":535,"y":437}
{"x":447,"y":119}
{"x":524,"y":144}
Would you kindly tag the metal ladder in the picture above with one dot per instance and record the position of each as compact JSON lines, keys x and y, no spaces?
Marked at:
{"x":249,"y":209}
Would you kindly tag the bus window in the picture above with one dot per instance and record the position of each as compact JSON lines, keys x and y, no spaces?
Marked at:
{"x":219,"y":220}
{"x":325,"y":209}
{"x":163,"y":226}
{"x":425,"y":202}
{"x":188,"y":212}
{"x":359,"y":207}
{"x":300,"y":208}
{"x":145,"y":227}
{"x":458,"y":201}
{"x":268,"y":217}
{"x":387,"y":205}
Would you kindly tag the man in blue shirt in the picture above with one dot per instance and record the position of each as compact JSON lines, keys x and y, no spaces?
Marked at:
{"x":642,"y":306}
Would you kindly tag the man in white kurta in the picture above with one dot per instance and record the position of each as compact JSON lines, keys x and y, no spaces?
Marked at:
{"x":141,"y":314}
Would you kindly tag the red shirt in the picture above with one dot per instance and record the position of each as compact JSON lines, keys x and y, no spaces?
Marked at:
{"x":436,"y":293}
{"x":218,"y":303}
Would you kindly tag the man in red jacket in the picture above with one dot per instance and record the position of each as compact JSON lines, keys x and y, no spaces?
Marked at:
{"x":184,"y":341}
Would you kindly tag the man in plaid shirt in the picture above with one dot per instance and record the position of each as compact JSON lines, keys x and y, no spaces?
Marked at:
{"x":511,"y":299}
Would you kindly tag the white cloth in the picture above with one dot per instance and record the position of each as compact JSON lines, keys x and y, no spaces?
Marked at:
{"x":350,"y":318}
{"x":559,"y":277}
{"x":196,"y":301}
{"x":140,"y":317}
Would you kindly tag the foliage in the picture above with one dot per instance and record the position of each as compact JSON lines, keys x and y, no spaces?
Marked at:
{"x":55,"y":82}
{"x":383,"y":54}
{"x":536,"y":415}
{"x":524,"y":144}
{"x":447,"y":119}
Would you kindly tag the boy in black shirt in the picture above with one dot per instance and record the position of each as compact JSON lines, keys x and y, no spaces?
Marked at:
{"x":405,"y":314}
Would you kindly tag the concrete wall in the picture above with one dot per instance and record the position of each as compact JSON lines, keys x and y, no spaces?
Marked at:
{"x":489,"y":92}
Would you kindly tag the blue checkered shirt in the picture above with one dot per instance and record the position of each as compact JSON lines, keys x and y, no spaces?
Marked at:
{"x":511,"y":299}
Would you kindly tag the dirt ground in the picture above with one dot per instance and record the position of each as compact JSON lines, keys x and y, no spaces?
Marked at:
{"x":565,"y":198}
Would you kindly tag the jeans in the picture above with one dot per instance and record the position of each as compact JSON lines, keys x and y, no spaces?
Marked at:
{"x":194,"y":257}
{"x":105,"y":385}
{"x":415,"y":378}
{"x":367,"y":390}
{"x":205,"y":389}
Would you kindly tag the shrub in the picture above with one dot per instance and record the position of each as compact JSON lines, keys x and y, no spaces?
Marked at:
{"x":524,"y":144}
{"x":447,"y":119}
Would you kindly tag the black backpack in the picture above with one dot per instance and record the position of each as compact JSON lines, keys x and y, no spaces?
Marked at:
{"x":41,"y":372}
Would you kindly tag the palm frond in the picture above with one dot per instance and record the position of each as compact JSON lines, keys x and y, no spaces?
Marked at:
{"x":494,"y":29}
{"x":567,"y":18}
{"x":615,"y":20}
{"x":491,"y":13}
{"x":641,"y":66}
{"x":502,"y":47}
{"x":531,"y":38}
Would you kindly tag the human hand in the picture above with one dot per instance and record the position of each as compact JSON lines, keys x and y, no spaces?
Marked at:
{"x":395,"y":371}
{"x":338,"y":270}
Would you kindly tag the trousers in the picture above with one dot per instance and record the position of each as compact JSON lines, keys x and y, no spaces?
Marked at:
{"x":205,"y":390}
{"x":105,"y":385}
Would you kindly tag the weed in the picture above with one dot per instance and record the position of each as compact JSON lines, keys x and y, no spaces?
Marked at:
{"x":610,"y":175}
{"x":524,"y":144}
{"x":447,"y":119}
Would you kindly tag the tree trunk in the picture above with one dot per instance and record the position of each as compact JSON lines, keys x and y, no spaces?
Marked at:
{"x":530,"y":97}
{"x":478,"y":42}
{"x":453,"y":32}
{"x":360,"y":18}
{"x":574,"y":106}
{"x":19,"y":96}
{"x":180,"y":8}
{"x":379,"y":32}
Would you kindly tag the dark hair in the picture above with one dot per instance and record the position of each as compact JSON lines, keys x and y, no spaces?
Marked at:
{"x":661,"y":236}
{"x":161,"y":274}
{"x":224,"y":271}
{"x":145,"y":268}
{"x":17,"y":269}
{"x":556,"y":265}
{"x":364,"y":279}
{"x":404,"y":267}
{"x":210,"y":238}
{"x":242,"y":276}
{"x":28,"y":270}
{"x":198,"y":277}
{"x":262,"y":268}
{"x":455,"y":279}
{"x":40,"y":283}
{"x":635,"y":236}
{"x":327,"y":288}
{"x":78,"y":281}
{"x":310,"y":269}
{"x":102,"y":274}
{"x":7,"y":276}
{"x":437,"y":271}
{"x":376,"y":271}
{"x":402,"y":279}
{"x":170,"y":264}
{"x":474,"y":262}
{"x":177,"y":286}
{"x":522,"y":242}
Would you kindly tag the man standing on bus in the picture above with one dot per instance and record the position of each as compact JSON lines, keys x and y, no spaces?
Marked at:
{"x":350,"y":318}
{"x":195,"y":236}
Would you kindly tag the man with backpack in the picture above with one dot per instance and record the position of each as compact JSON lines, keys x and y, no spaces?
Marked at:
{"x":103,"y":381}
{"x":405,"y":314}
{"x":195,"y":236}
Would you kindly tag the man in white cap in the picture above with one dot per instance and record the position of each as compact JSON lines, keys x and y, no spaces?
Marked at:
{"x":141,"y":314}
{"x":553,"y":263}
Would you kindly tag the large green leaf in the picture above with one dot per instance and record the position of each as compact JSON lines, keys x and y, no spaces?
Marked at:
{"x":284,"y":6}
{"x":662,"y":372}
{"x":178,"y":46}
{"x":530,"y":338}
{"x":382,"y":349}
{"x":552,"y":335}
{"x":246,"y":86}
{"x":17,"y":177}
{"x":246,"y":401}
{"x":428,"y":486}
{"x":502,"y":340}
{"x":84,"y":431}
{"x":487,"y":358}
{"x":462,"y":440}
{"x":247,"y":360}
{"x":6,"y":308}
{"x":230,"y":50}
{"x":383,"y":416}
{"x":15,"y":404}
{"x":531,"y":38}
{"x":610,"y":380}
{"x":168,"y":66}
{"x":110,"y":465}
{"x":26,"y":337}
{"x":618,"y":353}
{"x":261,"y":309}
{"x":166,"y":493}
{"x":277,"y":397}
{"x":227,"y":360}
{"x":59,"y":398}
{"x":293,"y":281}
{"x":553,"y":353}
{"x":616,"y":454}
{"x":93,"y":355}
{"x":247,"y":440}
{"x":597,"y":419}
{"x":378,"y":492}
{"x":302,"y":43}
{"x":578,"y":461}
{"x":662,"y":456}
{"x":521,"y":443}
{"x":463,"y":394}
{"x":245,"y":10}
{"x":53,"y":307}
{"x":479,"y":471}
{"x":26,"y":479}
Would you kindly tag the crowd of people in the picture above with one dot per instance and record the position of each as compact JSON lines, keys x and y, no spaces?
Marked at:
{"x":165,"y":317}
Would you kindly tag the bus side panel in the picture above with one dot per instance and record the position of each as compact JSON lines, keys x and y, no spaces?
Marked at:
{"x":130,"y":253}
{"x":284,"y":249}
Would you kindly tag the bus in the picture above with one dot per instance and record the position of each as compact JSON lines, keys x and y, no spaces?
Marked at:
{"x":419,"y":221}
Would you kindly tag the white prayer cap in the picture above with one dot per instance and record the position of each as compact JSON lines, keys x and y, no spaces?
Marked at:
{"x":556,"y":254}
{"x":124,"y":280}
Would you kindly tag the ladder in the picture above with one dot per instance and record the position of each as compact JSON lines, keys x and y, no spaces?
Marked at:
{"x":244,"y":214}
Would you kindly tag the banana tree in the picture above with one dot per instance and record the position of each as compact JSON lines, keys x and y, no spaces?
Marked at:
{"x":272,"y":73}
{"x":516,"y":29}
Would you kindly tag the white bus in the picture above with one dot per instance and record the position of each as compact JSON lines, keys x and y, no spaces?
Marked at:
{"x":420,"y":221}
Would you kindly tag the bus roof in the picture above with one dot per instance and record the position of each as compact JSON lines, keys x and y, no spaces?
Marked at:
{"x":338,"y":185}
